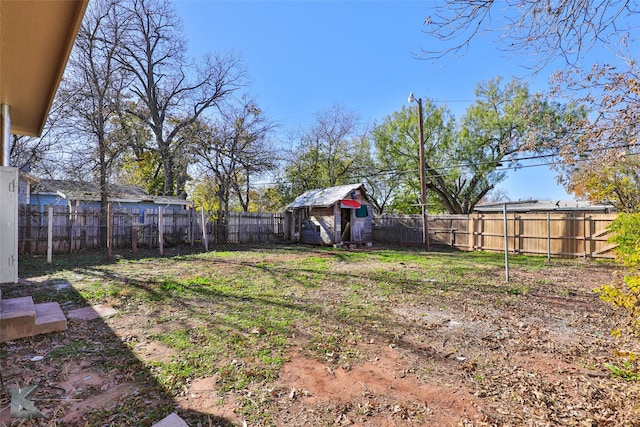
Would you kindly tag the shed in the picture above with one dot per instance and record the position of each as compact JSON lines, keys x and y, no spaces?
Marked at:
{"x":329,"y":216}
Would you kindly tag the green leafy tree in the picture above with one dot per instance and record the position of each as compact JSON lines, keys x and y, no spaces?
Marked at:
{"x":396,"y":142}
{"x":462,"y":160}
{"x":491,"y":129}
{"x":380,"y":178}
{"x":269,"y":200}
{"x":544,"y":32}
{"x":139,"y":164}
{"x":144,"y":170}
{"x":200,"y":192}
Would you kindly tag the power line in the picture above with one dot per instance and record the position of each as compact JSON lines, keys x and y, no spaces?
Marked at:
{"x":515,"y":166}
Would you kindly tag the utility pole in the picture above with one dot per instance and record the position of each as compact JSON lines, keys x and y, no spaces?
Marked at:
{"x":423,"y":180}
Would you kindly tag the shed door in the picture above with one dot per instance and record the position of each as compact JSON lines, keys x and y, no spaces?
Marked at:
{"x":358,"y":222}
{"x":345,"y":224}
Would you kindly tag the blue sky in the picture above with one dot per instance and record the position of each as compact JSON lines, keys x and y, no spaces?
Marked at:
{"x":304,"y":56}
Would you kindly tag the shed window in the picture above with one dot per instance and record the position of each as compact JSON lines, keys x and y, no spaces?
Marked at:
{"x":362,"y":212}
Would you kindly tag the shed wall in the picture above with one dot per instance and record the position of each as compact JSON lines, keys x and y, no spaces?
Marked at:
{"x":319,"y":227}
{"x":324,"y":227}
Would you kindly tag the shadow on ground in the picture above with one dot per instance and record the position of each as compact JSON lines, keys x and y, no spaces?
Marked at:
{"x":87,"y":375}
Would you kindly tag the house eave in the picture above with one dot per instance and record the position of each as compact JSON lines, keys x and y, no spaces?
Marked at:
{"x":36,"y":38}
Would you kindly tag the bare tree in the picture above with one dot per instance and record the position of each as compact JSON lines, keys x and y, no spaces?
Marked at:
{"x":233,"y":151}
{"x":330,"y":152}
{"x":43,"y":155}
{"x":250,"y":147}
{"x":545,"y":28}
{"x":94,"y":82}
{"x":600,"y":161}
{"x":171,"y":93}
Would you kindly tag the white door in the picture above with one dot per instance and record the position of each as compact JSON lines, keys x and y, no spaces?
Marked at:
{"x":8,"y":225}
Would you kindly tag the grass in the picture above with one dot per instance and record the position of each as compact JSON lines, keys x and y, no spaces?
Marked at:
{"x":233,"y":314}
{"x":626,"y":371}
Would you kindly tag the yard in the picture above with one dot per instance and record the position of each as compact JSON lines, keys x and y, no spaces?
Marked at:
{"x":286,"y":335}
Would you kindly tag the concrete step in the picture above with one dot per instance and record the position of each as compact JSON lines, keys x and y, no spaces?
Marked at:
{"x":172,"y":420}
{"x":49,"y":318}
{"x":17,"y":318}
{"x":21,"y":318}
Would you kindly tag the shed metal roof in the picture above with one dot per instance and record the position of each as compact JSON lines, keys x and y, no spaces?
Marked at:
{"x":325,"y":197}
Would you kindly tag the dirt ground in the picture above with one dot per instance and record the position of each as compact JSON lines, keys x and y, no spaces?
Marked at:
{"x":535,"y":357}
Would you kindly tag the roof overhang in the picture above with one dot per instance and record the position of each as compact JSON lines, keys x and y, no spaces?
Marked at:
{"x":95,"y":197}
{"x":349,"y":204}
{"x":36,"y":38}
{"x":176,"y":201}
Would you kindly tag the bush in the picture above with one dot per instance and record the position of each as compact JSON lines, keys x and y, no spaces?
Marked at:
{"x":625,"y":294}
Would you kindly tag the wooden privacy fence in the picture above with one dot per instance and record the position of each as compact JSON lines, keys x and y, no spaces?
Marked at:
{"x":551,"y":234}
{"x":450,"y":230}
{"x":241,"y":227}
{"x":78,"y":229}
{"x":249,"y":227}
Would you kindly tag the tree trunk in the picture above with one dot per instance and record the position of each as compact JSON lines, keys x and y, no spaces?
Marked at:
{"x":104,"y":193}
{"x":167,"y":165}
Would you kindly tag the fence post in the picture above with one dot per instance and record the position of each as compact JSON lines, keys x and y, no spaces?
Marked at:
{"x":70,"y":228}
{"x":584,"y":233}
{"x":517,"y":231}
{"x":134,"y":238}
{"x":109,"y":230}
{"x":548,"y":236}
{"x":451,"y":233}
{"x":160,"y":231}
{"x":191,"y":215}
{"x":591,"y":246}
{"x":204,"y":231}
{"x":506,"y":243}
{"x":480,"y":225}
{"x":472,"y":238}
{"x":50,"y":236}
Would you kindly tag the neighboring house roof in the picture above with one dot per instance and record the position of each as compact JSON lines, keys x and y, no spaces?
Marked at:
{"x":90,"y":192}
{"x":326,"y":197}
{"x":26,"y":176}
{"x":36,"y":38}
{"x":545,"y":206}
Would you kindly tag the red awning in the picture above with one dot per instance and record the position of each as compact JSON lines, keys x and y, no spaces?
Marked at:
{"x":347,"y":203}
